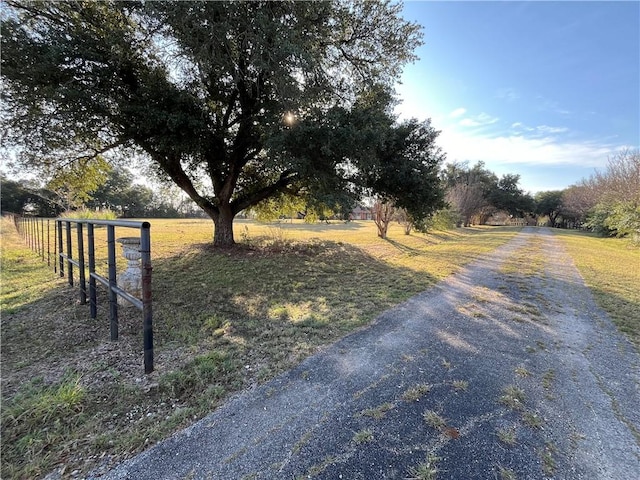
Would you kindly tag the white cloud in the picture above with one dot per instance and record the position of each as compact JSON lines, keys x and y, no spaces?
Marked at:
{"x":509,"y":94}
{"x":539,"y":130}
{"x":522,"y":149}
{"x":458,"y":112}
{"x":548,"y":129}
{"x":478,"y":120}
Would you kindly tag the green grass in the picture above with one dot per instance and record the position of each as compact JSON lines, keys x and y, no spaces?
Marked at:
{"x":24,"y":278}
{"x":39,"y":419}
{"x":547,"y":456}
{"x":513,"y":397}
{"x":223,"y":320}
{"x":416,"y":392}
{"x":611,"y":268}
{"x":506,"y":473}
{"x":363,"y":436}
{"x":507,"y":435}
{"x":378,"y":412}
{"x":434,"y":419}
{"x":460,"y":385}
{"x":426,"y":470}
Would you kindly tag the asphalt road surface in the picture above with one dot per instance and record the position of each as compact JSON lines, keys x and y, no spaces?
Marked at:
{"x":507,"y":369}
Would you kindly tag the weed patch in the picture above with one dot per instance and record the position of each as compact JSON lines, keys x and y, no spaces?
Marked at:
{"x":460,"y":385}
{"x":415,"y":393}
{"x":506,"y":473}
{"x":513,"y":397}
{"x":426,"y":470}
{"x":363,"y":436}
{"x":507,"y":435}
{"x":532,"y":419}
{"x":547,"y":456}
{"x":37,"y":420}
{"x":434,"y":419}
{"x":378,"y":412}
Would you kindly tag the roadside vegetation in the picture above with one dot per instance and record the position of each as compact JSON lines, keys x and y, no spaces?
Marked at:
{"x":223,"y":320}
{"x":611,"y":268}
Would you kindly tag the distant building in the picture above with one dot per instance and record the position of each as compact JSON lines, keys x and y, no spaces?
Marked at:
{"x":361,"y":213}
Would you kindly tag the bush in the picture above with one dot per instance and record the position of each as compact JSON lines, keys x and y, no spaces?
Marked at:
{"x":620,"y":219}
{"x":624,"y":220}
{"x":444,"y":219}
{"x":85,"y":213}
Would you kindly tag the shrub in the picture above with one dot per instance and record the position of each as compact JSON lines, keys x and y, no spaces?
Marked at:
{"x":85,"y":213}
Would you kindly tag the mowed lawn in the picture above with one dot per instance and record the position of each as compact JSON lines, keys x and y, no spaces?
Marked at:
{"x":611,"y":268}
{"x":223,"y":320}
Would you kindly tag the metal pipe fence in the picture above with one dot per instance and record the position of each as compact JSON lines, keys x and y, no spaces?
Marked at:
{"x":37,"y":233}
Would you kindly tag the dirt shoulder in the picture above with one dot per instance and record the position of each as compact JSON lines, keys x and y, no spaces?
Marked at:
{"x":506,"y":368}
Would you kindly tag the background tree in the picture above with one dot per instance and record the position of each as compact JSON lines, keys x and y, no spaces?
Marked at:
{"x":74,"y":183}
{"x":405,"y":220}
{"x":507,"y":196}
{"x":383,"y":213}
{"x":14,"y":197}
{"x":576,"y":203}
{"x":467,"y":191}
{"x":617,"y":194}
{"x":282,"y":206}
{"x":549,"y":204}
{"x":120,"y":195}
{"x":26,"y":197}
{"x":203,"y":89}
{"x":476,"y":193}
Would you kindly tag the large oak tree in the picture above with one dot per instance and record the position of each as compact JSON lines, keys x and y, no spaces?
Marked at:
{"x":230,"y":92}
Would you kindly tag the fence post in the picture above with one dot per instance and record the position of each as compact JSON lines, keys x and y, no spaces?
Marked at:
{"x":69,"y":255}
{"x":42,"y":237}
{"x":36,"y":236}
{"x":83,"y":283}
{"x":113,"y":296}
{"x":147,"y":331}
{"x":60,"y":249}
{"x":49,"y":243}
{"x":93,"y":306}
{"x":55,"y":246}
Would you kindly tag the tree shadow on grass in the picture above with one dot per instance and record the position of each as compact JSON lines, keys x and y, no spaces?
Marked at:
{"x":223,"y":319}
{"x":274,"y":303}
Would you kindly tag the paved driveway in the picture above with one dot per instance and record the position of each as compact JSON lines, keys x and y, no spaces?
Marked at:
{"x":507,"y":369}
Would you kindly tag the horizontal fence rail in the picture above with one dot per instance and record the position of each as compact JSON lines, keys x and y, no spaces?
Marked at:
{"x":51,"y":238}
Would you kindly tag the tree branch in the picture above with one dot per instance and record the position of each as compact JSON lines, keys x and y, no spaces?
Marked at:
{"x":286,"y":179}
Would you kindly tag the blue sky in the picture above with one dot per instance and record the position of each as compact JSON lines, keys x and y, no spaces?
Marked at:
{"x":547,"y":90}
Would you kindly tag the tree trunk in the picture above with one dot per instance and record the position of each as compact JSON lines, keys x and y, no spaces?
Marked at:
{"x":223,"y":229}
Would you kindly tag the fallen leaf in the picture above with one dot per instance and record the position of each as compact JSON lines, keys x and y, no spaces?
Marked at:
{"x":452,"y":432}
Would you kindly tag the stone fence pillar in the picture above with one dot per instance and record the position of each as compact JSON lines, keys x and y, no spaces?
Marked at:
{"x":131,"y":279}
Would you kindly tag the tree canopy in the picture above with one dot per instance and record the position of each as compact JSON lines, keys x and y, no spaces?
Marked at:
{"x":608,"y":201}
{"x":27,"y":197}
{"x":225,"y":98}
{"x":549,"y":203}
{"x":476,"y":193}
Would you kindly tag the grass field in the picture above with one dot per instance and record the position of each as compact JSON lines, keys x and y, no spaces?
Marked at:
{"x":611,"y":268}
{"x":223,"y":320}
